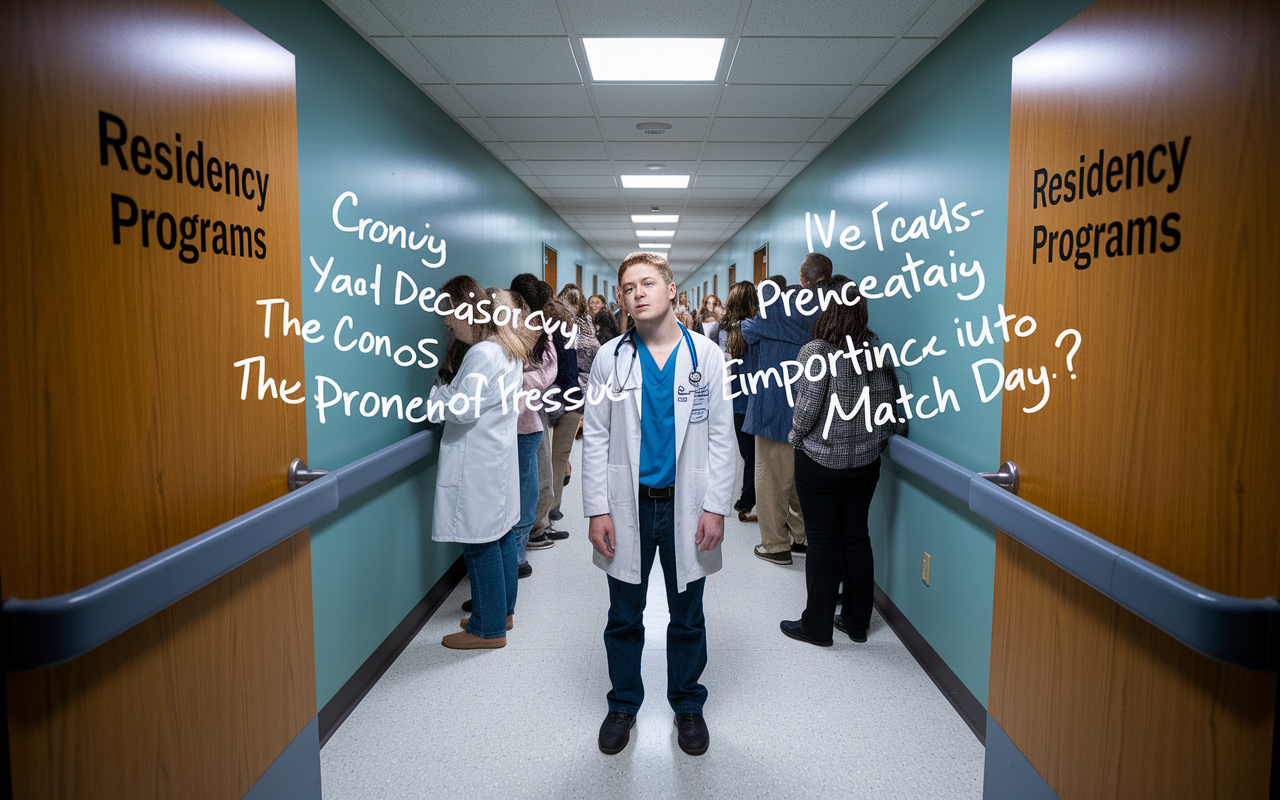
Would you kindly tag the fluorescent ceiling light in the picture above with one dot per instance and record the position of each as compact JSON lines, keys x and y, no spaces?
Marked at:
{"x":655,"y":246}
{"x":655,"y":218}
{"x":655,"y":233}
{"x":642,"y":59}
{"x":655,"y":181}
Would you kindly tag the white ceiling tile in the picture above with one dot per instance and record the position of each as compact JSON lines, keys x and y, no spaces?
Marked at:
{"x":546,"y":129}
{"x":579,"y":181}
{"x":477,"y":18}
{"x":577,"y":151}
{"x":767,"y":168}
{"x":479,"y":129}
{"x":659,"y":152}
{"x":448,"y":99}
{"x":792,"y":168}
{"x":791,"y":100}
{"x":602,"y":193}
{"x":745,"y":195}
{"x":613,"y":100}
{"x":402,"y":52}
{"x":545,"y":168}
{"x":506,"y":60}
{"x":502,"y":150}
{"x":730,"y":182}
{"x":787,"y":129}
{"x":541,"y":192}
{"x":830,"y":129}
{"x":748,"y":151}
{"x":804,"y":60}
{"x":531,"y":181}
{"x":810,"y":151}
{"x":699,"y":222}
{"x":722,"y":204}
{"x":670,"y":167}
{"x":537,"y":100}
{"x":941,"y":16}
{"x":698,"y":237}
{"x":653,"y":197}
{"x":364,"y":17}
{"x":518,"y":167}
{"x":903,"y":55}
{"x":778,"y":183}
{"x":695,"y":218}
{"x":858,"y":101}
{"x":683,"y":129}
{"x":653,"y":17}
{"x":829,"y":17}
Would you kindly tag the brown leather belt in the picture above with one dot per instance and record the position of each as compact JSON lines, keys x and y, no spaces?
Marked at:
{"x":669,"y":493}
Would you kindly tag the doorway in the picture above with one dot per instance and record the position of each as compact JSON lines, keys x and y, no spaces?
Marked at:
{"x":549,"y":266}
{"x":760,"y":264}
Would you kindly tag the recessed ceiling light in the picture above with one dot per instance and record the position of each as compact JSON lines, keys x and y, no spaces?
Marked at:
{"x":655,"y":181}
{"x":655,"y":233}
{"x":643,"y":59}
{"x":655,"y":246}
{"x":655,"y":166}
{"x":655,"y":218}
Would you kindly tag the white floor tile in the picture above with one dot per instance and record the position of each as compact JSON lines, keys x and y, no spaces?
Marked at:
{"x":786,"y":719}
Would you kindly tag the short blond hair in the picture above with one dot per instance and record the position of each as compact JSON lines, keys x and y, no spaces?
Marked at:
{"x":652,"y":259}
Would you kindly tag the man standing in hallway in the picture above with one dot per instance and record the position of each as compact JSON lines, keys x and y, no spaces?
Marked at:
{"x":771,"y":340}
{"x":657,"y":475}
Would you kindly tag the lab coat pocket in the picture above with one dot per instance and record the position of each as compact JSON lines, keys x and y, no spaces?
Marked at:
{"x":690,"y":500}
{"x":449,"y":469}
{"x":621,"y":493}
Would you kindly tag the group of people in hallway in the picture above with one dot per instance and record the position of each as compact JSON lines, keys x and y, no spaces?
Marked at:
{"x":659,"y":431}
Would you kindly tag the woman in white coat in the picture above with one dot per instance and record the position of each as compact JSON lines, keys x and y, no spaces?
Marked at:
{"x":477,"y":481}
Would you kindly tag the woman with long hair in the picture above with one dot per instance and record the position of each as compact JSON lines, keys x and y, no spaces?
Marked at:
{"x":837,"y":467}
{"x":709,"y":316}
{"x":741,"y":304}
{"x":477,"y":499}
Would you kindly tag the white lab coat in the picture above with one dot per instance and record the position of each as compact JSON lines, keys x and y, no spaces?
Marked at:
{"x":478,"y":477}
{"x":705,"y":457}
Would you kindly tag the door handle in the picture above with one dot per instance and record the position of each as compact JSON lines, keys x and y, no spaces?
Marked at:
{"x":1006,"y":478}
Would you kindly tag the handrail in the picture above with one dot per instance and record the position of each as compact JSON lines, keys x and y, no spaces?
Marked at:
{"x":41,"y":633}
{"x":1233,"y":630}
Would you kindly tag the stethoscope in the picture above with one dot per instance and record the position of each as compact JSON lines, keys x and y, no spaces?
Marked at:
{"x":695,"y":377}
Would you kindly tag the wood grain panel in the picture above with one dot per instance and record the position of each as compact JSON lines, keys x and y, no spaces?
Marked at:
{"x":1164,"y":442}
{"x":124,"y":428}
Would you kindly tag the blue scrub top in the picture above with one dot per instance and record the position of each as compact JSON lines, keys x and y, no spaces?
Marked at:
{"x":657,"y":419}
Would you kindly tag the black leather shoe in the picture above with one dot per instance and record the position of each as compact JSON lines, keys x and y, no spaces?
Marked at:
{"x":857,"y":634}
{"x":466,"y":606}
{"x":615,"y":732}
{"x":691,"y":733}
{"x":795,"y":629}
{"x":524,"y":570}
{"x":555,"y":535}
{"x":799,"y":549}
{"x":555,"y":515}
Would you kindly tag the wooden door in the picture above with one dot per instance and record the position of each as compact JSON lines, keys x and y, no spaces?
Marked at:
{"x":549,"y":266}
{"x":595,"y":284}
{"x":733,"y":275}
{"x":123,"y":423}
{"x":1160,"y":431}
{"x":577,"y":268}
{"x":760,"y":265}
{"x":715,"y":286}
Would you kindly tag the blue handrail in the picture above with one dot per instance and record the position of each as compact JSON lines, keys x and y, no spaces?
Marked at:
{"x":1233,"y":630}
{"x":51,"y":630}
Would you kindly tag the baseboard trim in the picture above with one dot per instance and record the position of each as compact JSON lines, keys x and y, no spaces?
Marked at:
{"x":952,"y":688}
{"x":336,"y":711}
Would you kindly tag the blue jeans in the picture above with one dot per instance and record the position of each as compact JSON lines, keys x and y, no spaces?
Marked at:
{"x":686,"y":634}
{"x":527,"y":447}
{"x":491,"y":567}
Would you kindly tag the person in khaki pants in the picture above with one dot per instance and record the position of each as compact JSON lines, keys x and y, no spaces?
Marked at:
{"x":772,"y":338}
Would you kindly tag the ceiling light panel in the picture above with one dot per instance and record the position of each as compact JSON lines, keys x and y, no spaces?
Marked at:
{"x":656,"y":245}
{"x":654,"y":218}
{"x":655,"y":181}
{"x":655,"y":233}
{"x":653,"y":60}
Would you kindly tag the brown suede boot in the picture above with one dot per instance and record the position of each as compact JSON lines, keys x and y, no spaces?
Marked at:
{"x":511,"y":622}
{"x":466,"y":641}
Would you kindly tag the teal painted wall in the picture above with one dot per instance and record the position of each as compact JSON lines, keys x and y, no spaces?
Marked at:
{"x":364,"y":127}
{"x":941,"y":132}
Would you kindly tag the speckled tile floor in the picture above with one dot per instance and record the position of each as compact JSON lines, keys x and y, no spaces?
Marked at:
{"x":786,"y":719}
